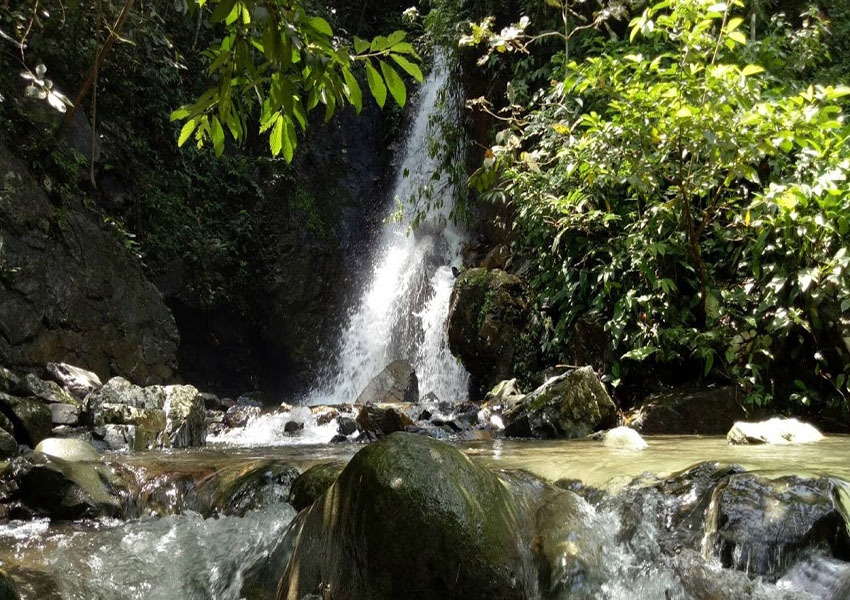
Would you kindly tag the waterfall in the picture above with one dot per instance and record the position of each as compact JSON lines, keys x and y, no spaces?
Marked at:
{"x":402,"y":311}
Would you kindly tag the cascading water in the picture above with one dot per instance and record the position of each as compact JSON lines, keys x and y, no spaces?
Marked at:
{"x":402,"y":311}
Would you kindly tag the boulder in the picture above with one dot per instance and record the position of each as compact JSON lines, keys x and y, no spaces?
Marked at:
{"x":504,"y":395}
{"x":8,"y":445}
{"x":120,"y":391}
{"x":30,"y":418}
{"x":396,"y":383}
{"x":689,"y":411}
{"x":568,"y":406}
{"x":65,"y":489}
{"x":238,"y":416}
{"x":312,"y":483}
{"x":410,"y":517}
{"x":293,"y":427}
{"x":128,"y":437}
{"x":762,"y":525}
{"x":64,"y":414}
{"x":488,"y":317}
{"x":77,"y":381}
{"x":11,"y":383}
{"x":68,"y":449}
{"x":47,"y":391}
{"x":380,"y":421}
{"x":623,"y":438}
{"x":773,"y":431}
{"x":185,"y":420}
{"x":346,"y":425}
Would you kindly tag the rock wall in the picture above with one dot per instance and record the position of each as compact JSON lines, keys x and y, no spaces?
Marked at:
{"x":71,"y":292}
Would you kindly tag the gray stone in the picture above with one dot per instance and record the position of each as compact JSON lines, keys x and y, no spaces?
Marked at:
{"x":9,"y":382}
{"x":64,"y":414}
{"x":77,"y":381}
{"x":396,"y":383}
{"x":30,"y":417}
{"x":623,"y":438}
{"x":378,"y":421}
{"x":128,"y":437}
{"x":568,"y":406}
{"x":120,"y":391}
{"x":238,"y":416}
{"x":68,"y":449}
{"x":346,"y":425}
{"x":773,"y":431}
{"x":505,"y":394}
{"x":8,"y":445}
{"x":47,"y":391}
{"x":185,"y":420}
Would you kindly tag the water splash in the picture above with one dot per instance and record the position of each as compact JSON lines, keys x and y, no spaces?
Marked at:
{"x":402,"y":311}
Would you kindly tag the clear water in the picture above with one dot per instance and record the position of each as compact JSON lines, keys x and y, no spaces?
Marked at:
{"x":228,"y":558}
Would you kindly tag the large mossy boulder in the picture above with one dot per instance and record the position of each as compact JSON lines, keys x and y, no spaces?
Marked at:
{"x":312,"y":483}
{"x":410,"y":517}
{"x":30,"y":418}
{"x":571,"y":405}
{"x":763,"y":525}
{"x":396,"y":383}
{"x":488,"y":317}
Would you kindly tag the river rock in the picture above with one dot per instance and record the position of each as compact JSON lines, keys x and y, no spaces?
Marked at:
{"x":346,"y":425}
{"x":689,"y":411}
{"x":67,"y":489}
{"x":8,"y":589}
{"x":568,"y":406}
{"x":31,"y":419}
{"x":11,"y":383}
{"x":762,"y":525}
{"x":505,"y":394}
{"x":8,"y":445}
{"x":487,"y":318}
{"x":312,"y":483}
{"x":381,"y":420}
{"x":77,"y":381}
{"x":64,"y":414}
{"x":773,"y":431}
{"x":396,"y":383}
{"x":68,"y":449}
{"x":120,"y":391}
{"x":185,"y":420}
{"x":623,"y":438}
{"x":238,"y":416}
{"x":410,"y":517}
{"x":48,"y":391}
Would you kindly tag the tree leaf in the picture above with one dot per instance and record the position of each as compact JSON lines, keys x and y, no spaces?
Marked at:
{"x":186,"y":131}
{"x":376,"y":85}
{"x":354,"y":94}
{"x":394,"y":83}
{"x":276,"y":138}
{"x":320,"y":25}
{"x":360,"y":46}
{"x":412,"y":69}
{"x":751,"y":70}
{"x":222,"y":10}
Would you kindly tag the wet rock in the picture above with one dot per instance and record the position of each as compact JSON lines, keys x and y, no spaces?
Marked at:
{"x":238,"y":416}
{"x":338,"y":439}
{"x":623,"y":438}
{"x":346,"y":425}
{"x":8,"y":445}
{"x":568,"y":406}
{"x":77,"y":381}
{"x":324,"y":415}
{"x":8,"y":589}
{"x":68,"y":449}
{"x":689,"y":411}
{"x":396,"y":383}
{"x":293,"y":427}
{"x":248,"y":401}
{"x":47,"y":391}
{"x":211,"y":401}
{"x":762,"y":526}
{"x":505,"y":394}
{"x":252,"y":488}
{"x":820,"y":577}
{"x":128,"y":437}
{"x":68,"y":490}
{"x":773,"y":431}
{"x":410,"y":517}
{"x":184,"y":417}
{"x":487,"y":318}
{"x":30,"y":418}
{"x":64,"y":414}
{"x":381,"y":421}
{"x":11,"y":383}
{"x":312,"y":483}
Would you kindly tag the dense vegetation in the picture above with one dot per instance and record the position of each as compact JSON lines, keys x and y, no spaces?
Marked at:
{"x":682,"y":182}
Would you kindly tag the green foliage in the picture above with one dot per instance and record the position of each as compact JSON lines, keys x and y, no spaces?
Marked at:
{"x":282,"y":60}
{"x":688,"y":188}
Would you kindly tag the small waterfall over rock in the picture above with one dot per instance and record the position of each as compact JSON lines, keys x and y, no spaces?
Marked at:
{"x":402,"y":311}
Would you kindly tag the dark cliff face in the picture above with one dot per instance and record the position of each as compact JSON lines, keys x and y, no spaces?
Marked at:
{"x":70,"y":291}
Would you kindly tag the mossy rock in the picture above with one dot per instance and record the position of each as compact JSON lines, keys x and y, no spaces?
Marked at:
{"x":312,"y":483}
{"x":31,"y":419}
{"x":411,"y":517}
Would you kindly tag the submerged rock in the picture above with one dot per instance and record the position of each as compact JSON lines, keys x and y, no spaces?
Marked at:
{"x":762,"y":525}
{"x":568,"y":406}
{"x":410,"y":517}
{"x":773,"y":431}
{"x":68,"y":449}
{"x":312,"y":483}
{"x":30,"y":418}
{"x":623,"y":438}
{"x":396,"y":383}
{"x":77,"y":381}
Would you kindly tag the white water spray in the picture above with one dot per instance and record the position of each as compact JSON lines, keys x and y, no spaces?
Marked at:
{"x":402,"y":311}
